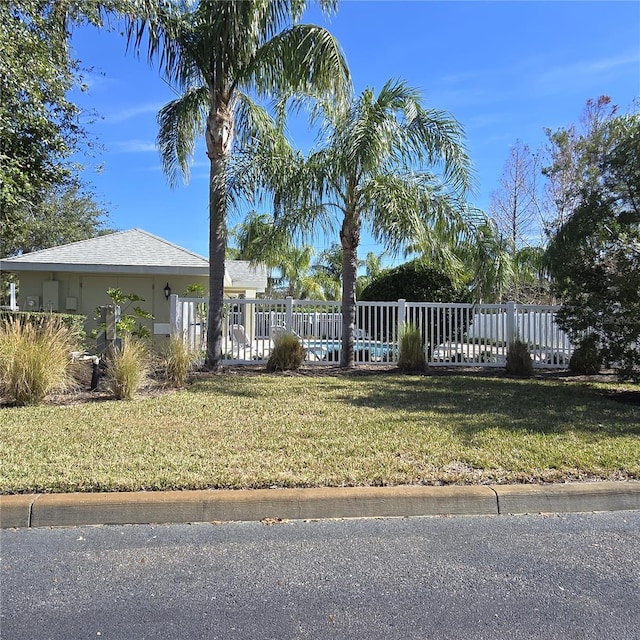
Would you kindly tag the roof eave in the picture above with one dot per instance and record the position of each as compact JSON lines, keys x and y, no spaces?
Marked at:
{"x":16,"y":267}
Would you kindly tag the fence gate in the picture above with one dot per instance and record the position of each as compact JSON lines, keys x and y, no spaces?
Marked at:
{"x":188,"y":318}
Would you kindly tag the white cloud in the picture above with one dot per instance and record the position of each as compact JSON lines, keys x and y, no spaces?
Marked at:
{"x":93,"y":81}
{"x":128,"y":113}
{"x":585,"y":70}
{"x":133,"y":146}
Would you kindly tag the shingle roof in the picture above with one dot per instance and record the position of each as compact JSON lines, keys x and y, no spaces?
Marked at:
{"x":244,"y":274}
{"x":132,"y":252}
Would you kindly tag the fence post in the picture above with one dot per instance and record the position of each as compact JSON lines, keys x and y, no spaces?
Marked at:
{"x":288,"y":318}
{"x":173,"y":315}
{"x":13,"y":304}
{"x":109,"y":318}
{"x":511,"y":322}
{"x":402,"y":312}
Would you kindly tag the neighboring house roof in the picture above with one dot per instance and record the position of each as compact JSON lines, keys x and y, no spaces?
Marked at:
{"x":132,"y":252}
{"x":245,"y":275}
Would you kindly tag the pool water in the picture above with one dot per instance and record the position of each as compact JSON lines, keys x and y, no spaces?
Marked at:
{"x":364,"y":350}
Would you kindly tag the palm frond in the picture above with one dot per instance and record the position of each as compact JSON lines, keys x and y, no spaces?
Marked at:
{"x":302,"y":61}
{"x":403,"y":208}
{"x":181,"y":122}
{"x":395,"y":128}
{"x":369,"y":132}
{"x":257,"y":130}
{"x":434,"y":137}
{"x":489,"y":261}
{"x":264,"y":158}
{"x":160,"y":25}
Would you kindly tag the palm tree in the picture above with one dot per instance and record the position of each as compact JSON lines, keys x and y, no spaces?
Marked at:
{"x":328,"y":272}
{"x":374,"y":167}
{"x":294,"y":267}
{"x":373,"y":268}
{"x":258,"y":241}
{"x":214,"y":53}
{"x":485,"y":264}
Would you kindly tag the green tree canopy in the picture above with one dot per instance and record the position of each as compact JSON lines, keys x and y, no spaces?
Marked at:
{"x":415,"y":282}
{"x":40,"y":126}
{"x":61,"y":214}
{"x":594,"y":257}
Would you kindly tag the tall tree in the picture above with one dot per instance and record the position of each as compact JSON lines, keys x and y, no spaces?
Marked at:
{"x":515,"y":204}
{"x":215,"y":53}
{"x":61,"y":214}
{"x":375,"y":167}
{"x":594,"y":257}
{"x":573,"y":154}
{"x":517,"y":211}
{"x":40,"y":127}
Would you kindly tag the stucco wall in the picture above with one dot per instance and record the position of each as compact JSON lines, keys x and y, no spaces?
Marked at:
{"x":88,"y":291}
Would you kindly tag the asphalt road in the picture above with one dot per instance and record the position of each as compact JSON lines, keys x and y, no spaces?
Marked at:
{"x":556,"y":576}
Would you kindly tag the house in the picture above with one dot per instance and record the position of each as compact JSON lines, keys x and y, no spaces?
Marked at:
{"x":74,"y":278}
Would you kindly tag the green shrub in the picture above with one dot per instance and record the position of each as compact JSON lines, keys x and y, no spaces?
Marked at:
{"x":414,"y":282}
{"x":287,"y":353}
{"x":412,"y":357}
{"x":519,"y":361}
{"x":178,"y":359}
{"x":586,"y":359}
{"x":35,"y":359}
{"x":127,"y":367}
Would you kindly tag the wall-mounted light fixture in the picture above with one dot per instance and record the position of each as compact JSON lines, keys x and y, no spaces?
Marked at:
{"x":167,"y":291}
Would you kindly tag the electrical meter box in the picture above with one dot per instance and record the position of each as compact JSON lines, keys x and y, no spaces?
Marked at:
{"x":32,"y":303}
{"x":50,"y":297}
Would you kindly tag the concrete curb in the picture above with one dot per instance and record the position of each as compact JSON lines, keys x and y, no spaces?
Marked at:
{"x":76,"y":509}
{"x":568,"y":498}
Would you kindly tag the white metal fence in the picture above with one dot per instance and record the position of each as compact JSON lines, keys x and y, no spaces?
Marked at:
{"x":453,"y":334}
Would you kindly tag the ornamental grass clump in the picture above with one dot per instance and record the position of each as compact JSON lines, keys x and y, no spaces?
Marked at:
{"x":287,"y":353}
{"x":412,"y":356}
{"x":35,"y":359}
{"x":127,"y":368}
{"x":178,"y":360}
{"x":519,"y":362}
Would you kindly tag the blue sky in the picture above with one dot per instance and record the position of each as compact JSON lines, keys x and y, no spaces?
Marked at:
{"x":504,"y":70}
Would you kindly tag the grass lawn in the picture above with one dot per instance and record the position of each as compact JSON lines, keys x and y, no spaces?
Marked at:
{"x":241,"y":431}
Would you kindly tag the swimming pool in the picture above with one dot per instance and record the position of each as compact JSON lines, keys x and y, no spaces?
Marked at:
{"x":365,"y":350}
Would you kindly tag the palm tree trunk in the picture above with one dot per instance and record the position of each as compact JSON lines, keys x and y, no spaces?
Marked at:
{"x":350,"y":238}
{"x":217,"y":247}
{"x":219,"y":136}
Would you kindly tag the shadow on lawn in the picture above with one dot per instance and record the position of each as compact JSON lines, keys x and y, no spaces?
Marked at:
{"x":479,"y":402}
{"x":551,"y":402}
